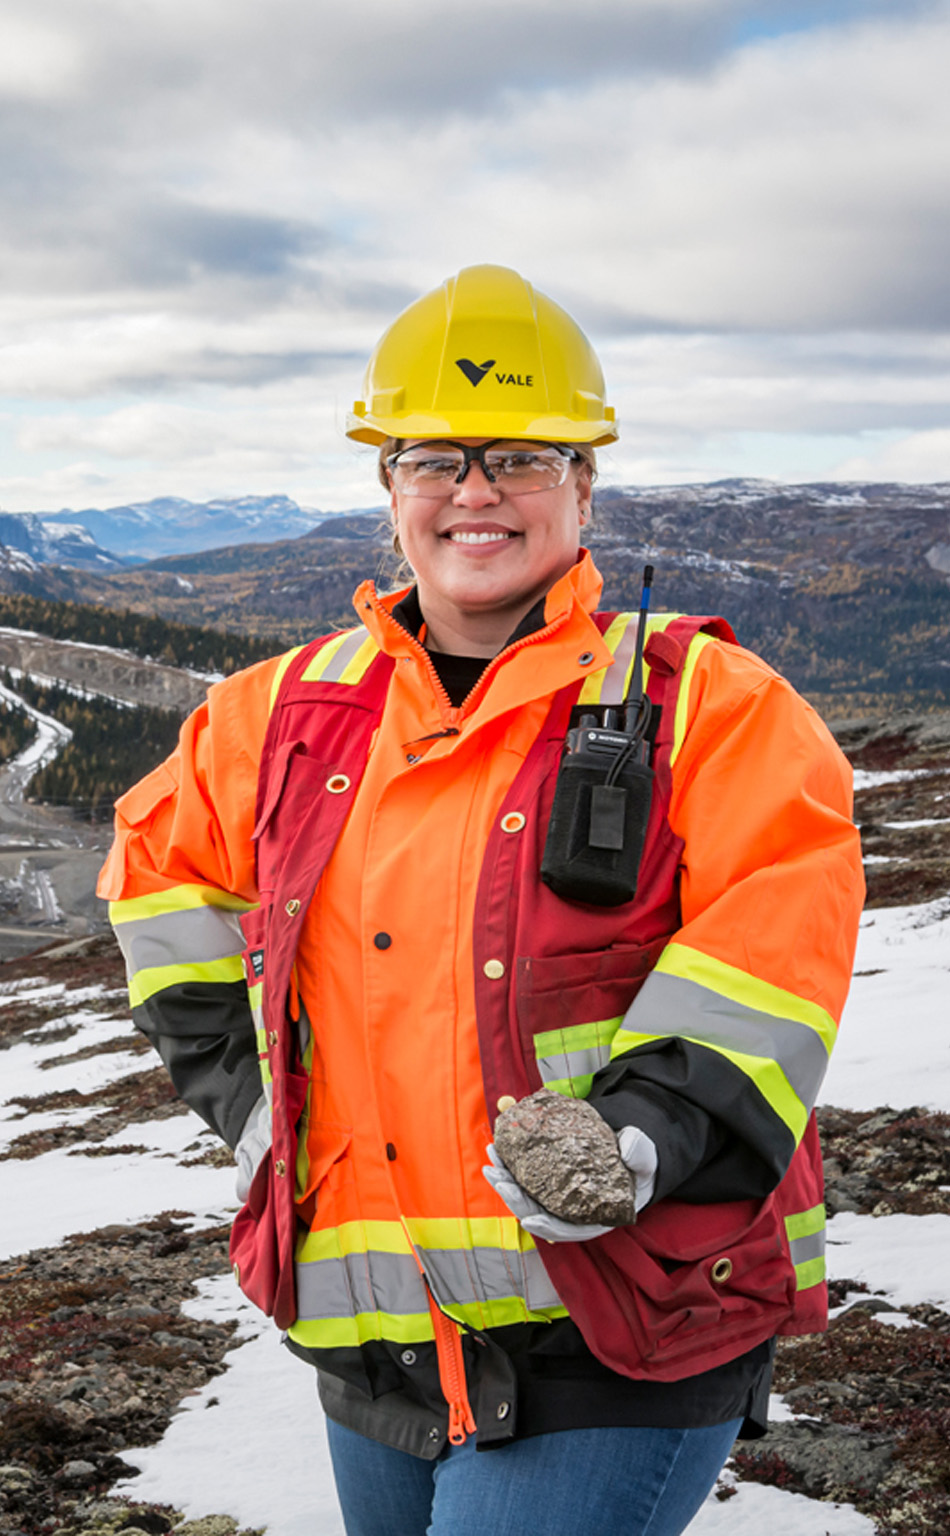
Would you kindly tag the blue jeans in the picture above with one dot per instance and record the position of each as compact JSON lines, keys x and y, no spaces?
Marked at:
{"x":579,"y":1482}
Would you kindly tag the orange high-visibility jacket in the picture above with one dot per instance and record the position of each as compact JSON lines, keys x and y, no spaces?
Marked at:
{"x":718,"y":1057}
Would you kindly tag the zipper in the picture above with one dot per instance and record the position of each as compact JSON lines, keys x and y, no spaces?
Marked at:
{"x":448,"y":1345}
{"x":449,"y":710}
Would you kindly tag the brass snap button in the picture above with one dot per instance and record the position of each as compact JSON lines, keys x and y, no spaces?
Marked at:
{"x":513,"y":822}
{"x":280,"y":1167}
{"x":272,"y":1037}
{"x":506,"y":1102}
{"x":338,"y":784}
{"x":494,"y":969}
{"x":236,"y":1272}
{"x":721,"y":1271}
{"x":292,"y":907}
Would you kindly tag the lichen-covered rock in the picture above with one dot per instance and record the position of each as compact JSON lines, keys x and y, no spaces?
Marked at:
{"x":566,"y":1157}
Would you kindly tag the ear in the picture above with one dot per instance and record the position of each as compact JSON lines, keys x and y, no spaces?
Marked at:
{"x":584,"y":490}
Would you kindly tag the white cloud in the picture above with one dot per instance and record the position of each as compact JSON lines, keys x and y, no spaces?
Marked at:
{"x":214,"y":210}
{"x":920,"y":457}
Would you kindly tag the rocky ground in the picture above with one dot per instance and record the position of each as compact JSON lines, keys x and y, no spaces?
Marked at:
{"x":96,"y":1353}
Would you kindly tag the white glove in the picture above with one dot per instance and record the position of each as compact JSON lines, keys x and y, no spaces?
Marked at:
{"x":254,"y":1142}
{"x":533,"y":1217}
{"x":639,"y":1155}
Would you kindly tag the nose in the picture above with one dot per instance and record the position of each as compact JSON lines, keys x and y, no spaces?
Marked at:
{"x":476,"y":490}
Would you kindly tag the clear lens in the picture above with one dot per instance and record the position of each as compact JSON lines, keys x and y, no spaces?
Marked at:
{"x":513,"y":467}
{"x":424,"y":471}
{"x":526,"y":469}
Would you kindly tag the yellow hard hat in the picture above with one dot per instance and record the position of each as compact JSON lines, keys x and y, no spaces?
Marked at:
{"x":485,"y":355}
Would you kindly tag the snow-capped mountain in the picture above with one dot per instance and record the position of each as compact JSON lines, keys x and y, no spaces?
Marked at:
{"x":171,"y":525}
{"x":28,"y":541}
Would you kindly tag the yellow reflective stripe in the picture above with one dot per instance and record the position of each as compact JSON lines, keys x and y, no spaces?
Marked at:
{"x":767,"y":1075}
{"x":354,"y":670}
{"x":498,"y":1312}
{"x":568,"y":1058}
{"x":353,"y":1237}
{"x":805,"y":1223}
{"x":742,"y":987}
{"x":177,"y":898}
{"x":576,"y":1037}
{"x":812,"y":1272}
{"x":681,"y":718}
{"x":594,"y":682}
{"x":146,"y":983}
{"x":282,"y":666}
{"x":316,"y":668}
{"x":593,"y":688}
{"x":363,"y":1328}
{"x":344,"y":659}
{"x":465,"y":1232}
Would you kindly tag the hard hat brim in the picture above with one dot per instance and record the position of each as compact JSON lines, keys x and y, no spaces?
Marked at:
{"x":519,"y":426}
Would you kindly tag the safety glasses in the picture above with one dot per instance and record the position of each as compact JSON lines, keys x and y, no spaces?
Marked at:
{"x":517,"y":469}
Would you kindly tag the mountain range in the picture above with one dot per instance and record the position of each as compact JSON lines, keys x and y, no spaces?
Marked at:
{"x":843,"y":587}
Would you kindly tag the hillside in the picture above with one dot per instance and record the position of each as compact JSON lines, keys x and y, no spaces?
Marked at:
{"x":845,"y":588}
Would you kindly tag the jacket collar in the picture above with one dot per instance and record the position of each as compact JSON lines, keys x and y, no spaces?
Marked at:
{"x":398,"y":614}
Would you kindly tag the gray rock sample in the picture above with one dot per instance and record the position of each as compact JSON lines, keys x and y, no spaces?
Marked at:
{"x":566,"y":1157}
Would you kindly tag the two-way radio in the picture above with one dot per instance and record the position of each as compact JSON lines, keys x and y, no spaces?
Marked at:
{"x":603,"y":794}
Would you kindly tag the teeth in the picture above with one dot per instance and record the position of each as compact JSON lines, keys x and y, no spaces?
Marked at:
{"x":479,"y":538}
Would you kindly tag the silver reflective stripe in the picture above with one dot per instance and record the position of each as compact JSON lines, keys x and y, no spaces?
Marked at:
{"x":574,"y":1064}
{"x":613,"y":690}
{"x":671,"y":1005}
{"x":360,"y":1282}
{"x":342,"y":657}
{"x":390,"y":1282}
{"x":812,"y":1246}
{"x":180,"y":938}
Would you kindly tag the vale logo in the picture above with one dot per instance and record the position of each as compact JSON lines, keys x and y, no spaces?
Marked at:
{"x":475,"y":372}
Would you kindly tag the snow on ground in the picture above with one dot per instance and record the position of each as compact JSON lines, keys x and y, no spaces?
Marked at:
{"x":237,"y":1426}
{"x":907,"y":1257}
{"x":894,"y":1044}
{"x":228,"y":1449}
{"x":48,"y":1197}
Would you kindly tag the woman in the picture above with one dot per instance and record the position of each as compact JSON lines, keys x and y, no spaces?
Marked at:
{"x":372,"y":811}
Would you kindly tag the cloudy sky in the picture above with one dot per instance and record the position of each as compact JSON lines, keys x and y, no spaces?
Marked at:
{"x":210,"y":209}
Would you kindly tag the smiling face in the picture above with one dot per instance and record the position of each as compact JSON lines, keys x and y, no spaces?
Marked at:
{"x":482,"y":559}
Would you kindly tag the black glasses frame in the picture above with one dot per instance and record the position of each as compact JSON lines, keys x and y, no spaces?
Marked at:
{"x":477,"y":455}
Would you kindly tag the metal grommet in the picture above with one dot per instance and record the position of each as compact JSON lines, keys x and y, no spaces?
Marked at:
{"x":506,"y":1102}
{"x":411,"y":758}
{"x":721,"y":1271}
{"x":502,"y":1411}
{"x":338,"y":783}
{"x":272,"y":1037}
{"x":280,"y":1167}
{"x":292,"y":907}
{"x":494,"y":969}
{"x":513,"y":822}
{"x":585,"y":658}
{"x":408,"y":1357}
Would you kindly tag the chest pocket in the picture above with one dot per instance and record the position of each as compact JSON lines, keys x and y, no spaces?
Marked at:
{"x":571,"y":1006}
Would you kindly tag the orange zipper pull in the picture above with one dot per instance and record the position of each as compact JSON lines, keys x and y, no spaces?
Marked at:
{"x":448,"y":1346}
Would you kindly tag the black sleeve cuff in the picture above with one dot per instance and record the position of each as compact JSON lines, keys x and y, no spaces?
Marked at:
{"x":716,"y":1136}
